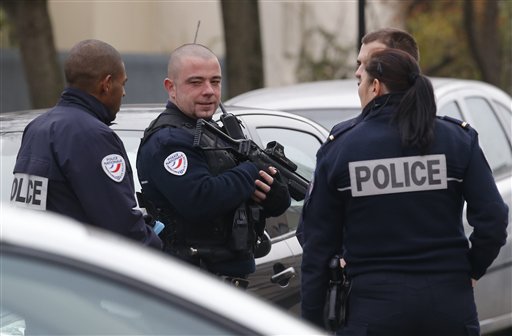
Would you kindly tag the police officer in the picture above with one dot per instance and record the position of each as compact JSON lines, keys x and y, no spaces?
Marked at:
{"x":71,"y":162}
{"x":389,"y":190}
{"x":214,"y":207}
{"x":378,"y":39}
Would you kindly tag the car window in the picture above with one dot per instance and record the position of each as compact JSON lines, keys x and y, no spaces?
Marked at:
{"x":328,"y":117}
{"x":450,"y":109}
{"x":53,"y":298}
{"x":505,"y":114}
{"x":10,"y":144}
{"x":492,"y":135}
{"x":301,"y":148}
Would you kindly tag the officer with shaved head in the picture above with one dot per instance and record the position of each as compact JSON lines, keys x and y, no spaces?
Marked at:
{"x":213,"y":205}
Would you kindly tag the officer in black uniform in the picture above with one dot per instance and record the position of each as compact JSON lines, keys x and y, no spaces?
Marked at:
{"x":71,"y":162}
{"x":214,"y":207}
{"x":374,"y":40}
{"x":389,"y":190}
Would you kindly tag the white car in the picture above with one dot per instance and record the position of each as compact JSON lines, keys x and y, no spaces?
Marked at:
{"x":60,"y":277}
{"x":277,"y":276}
{"x":485,"y":107}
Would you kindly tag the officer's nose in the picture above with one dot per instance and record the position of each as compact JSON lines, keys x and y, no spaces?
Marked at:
{"x":208,"y":89}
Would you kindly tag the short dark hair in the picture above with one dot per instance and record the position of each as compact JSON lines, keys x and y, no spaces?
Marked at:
{"x":89,"y":61}
{"x":394,"y":38}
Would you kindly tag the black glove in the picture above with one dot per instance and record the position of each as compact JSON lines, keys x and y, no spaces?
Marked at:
{"x":149,"y":220}
{"x":278,"y":198}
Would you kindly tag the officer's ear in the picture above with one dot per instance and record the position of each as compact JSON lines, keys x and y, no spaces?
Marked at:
{"x":376,"y":87}
{"x":170,"y":88}
{"x":106,"y":84}
{"x":379,"y":88}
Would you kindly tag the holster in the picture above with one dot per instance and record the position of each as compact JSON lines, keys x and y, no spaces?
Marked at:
{"x":336,"y":302}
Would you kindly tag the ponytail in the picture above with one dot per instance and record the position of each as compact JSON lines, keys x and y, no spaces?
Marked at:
{"x":415,"y":115}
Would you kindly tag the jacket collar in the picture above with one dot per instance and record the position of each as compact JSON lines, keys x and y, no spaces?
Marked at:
{"x":378,"y":103}
{"x":84,"y":101}
{"x":172,"y":108}
{"x":371,"y":109}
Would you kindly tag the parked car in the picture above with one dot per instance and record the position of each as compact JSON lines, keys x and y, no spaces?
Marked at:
{"x":60,"y":277}
{"x":276,"y":278}
{"x":483,"y":106}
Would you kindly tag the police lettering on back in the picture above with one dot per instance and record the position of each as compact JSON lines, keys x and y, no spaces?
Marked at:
{"x":29,"y":191}
{"x":403,"y":174}
{"x":404,"y":242}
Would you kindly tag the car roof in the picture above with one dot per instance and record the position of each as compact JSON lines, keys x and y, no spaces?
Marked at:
{"x":304,"y":95}
{"x":138,"y":117}
{"x":66,"y":239}
{"x":336,"y":94}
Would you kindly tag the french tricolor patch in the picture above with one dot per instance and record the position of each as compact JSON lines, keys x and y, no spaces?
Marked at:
{"x":176,"y":163}
{"x":114,"y":166}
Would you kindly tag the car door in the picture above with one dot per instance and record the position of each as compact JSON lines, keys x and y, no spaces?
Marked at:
{"x":492,"y":119}
{"x":277,"y":276}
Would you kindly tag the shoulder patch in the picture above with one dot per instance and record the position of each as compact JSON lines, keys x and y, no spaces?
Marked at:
{"x":176,"y":163}
{"x":114,"y":166}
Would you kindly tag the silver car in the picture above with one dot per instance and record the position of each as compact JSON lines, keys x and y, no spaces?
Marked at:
{"x":277,"y":277}
{"x":483,"y":106}
{"x":60,"y":277}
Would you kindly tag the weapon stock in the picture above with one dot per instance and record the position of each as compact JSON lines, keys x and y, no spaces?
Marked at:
{"x":246,"y":149}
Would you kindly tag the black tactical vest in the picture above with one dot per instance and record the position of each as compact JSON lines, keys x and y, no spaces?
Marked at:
{"x":213,"y":235}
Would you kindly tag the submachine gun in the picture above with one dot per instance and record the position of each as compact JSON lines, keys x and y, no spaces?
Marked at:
{"x":245,"y":149}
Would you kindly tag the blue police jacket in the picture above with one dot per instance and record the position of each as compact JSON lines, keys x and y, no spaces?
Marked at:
{"x":390,"y":209}
{"x":175,"y":175}
{"x":71,"y":162}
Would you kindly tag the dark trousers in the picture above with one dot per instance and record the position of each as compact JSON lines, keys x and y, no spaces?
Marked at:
{"x":404,"y":305}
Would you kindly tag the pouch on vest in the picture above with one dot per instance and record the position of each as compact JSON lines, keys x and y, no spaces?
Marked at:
{"x":240,"y":230}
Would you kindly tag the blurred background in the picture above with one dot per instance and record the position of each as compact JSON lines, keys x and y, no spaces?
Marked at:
{"x":260,"y":43}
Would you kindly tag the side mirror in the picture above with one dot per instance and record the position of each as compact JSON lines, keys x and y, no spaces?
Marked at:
{"x":263,"y":246}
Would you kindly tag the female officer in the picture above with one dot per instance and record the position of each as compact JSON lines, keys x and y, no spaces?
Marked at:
{"x":389,"y":190}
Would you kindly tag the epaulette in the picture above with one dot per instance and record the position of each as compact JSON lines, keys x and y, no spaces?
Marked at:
{"x":340,"y":129}
{"x":461,"y":123}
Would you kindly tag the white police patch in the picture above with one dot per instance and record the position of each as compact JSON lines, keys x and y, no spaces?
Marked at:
{"x":29,"y":191}
{"x":176,"y":163}
{"x":114,"y":166}
{"x":396,"y":175}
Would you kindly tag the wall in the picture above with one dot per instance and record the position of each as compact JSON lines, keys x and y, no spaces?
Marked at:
{"x":146,"y":31}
